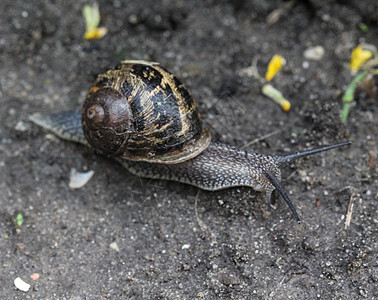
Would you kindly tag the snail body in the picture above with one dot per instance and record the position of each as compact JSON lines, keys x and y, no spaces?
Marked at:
{"x":143,"y":116}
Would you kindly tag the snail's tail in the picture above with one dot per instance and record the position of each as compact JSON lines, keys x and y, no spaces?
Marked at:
{"x":65,"y":125}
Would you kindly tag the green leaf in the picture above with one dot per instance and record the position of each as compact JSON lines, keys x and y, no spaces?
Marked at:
{"x":20,"y":219}
{"x":363,"y":27}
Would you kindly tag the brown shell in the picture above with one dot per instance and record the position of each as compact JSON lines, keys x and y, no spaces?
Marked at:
{"x":152,"y":116}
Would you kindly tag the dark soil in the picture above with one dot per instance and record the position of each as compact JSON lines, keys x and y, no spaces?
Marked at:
{"x":227,"y":244}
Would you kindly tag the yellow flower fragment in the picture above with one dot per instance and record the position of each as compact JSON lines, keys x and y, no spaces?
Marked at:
{"x":277,"y":96}
{"x":92,"y":20}
{"x":97,"y":33}
{"x":359,"y":57}
{"x":275,"y":65}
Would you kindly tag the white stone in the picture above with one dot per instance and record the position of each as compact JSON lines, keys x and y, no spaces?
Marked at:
{"x":314,"y":53}
{"x":21,"y":285}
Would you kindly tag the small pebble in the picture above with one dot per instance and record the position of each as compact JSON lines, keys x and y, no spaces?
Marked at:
{"x":21,"y":285}
{"x":21,"y":126}
{"x":314,"y":53}
{"x":78,"y":180}
{"x":114,"y":246}
{"x":186,"y":246}
{"x":34,"y":276}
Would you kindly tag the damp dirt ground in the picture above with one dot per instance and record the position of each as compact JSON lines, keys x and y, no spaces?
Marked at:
{"x":176,"y":241}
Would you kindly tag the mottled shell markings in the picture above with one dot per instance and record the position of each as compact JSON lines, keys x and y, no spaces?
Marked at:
{"x":165,"y":122}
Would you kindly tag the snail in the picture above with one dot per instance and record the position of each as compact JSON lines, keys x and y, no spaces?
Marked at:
{"x":143,"y":116}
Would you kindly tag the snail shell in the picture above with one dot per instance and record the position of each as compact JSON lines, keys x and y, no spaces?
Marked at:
{"x":142,"y":112}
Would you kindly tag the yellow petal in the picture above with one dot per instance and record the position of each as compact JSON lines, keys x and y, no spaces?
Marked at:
{"x":285,"y":105}
{"x":97,"y":33}
{"x":359,"y":57}
{"x":275,"y":65}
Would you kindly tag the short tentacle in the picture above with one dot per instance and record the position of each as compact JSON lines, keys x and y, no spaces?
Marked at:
{"x":274,"y":181}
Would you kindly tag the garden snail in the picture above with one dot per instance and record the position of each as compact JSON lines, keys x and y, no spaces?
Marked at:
{"x":144,"y":117}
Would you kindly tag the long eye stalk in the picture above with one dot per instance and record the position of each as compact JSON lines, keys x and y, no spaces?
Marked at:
{"x":281,"y":159}
{"x":285,"y":158}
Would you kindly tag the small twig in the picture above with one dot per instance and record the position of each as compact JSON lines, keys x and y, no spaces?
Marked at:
{"x":256,"y":140}
{"x":276,"y":14}
{"x":252,"y":71}
{"x":349,"y":212}
{"x":200,"y":224}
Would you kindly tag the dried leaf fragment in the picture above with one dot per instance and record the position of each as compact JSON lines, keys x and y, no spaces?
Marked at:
{"x":78,"y":180}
